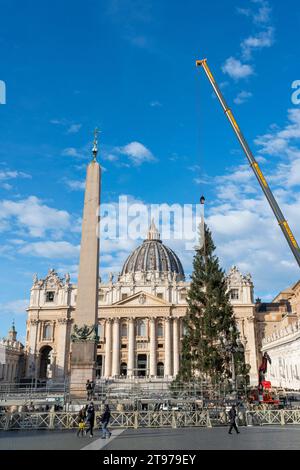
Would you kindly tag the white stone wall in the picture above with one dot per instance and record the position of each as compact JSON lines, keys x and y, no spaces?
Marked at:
{"x":11,"y":355}
{"x":283,"y":347}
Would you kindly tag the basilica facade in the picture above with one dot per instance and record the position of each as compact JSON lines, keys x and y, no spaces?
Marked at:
{"x":140,"y":318}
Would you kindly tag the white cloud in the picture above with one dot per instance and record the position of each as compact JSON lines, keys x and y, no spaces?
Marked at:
{"x":260,"y":16}
{"x":14,"y":307}
{"x":263,"y":14}
{"x":236,"y":70}
{"x":110,"y":157}
{"x":285,"y":144}
{"x":34,"y":216}
{"x":58,"y":122}
{"x":72,"y":152}
{"x":244,"y":11}
{"x":51,"y":249}
{"x":75,"y":185}
{"x":242,"y":97}
{"x":8,"y":175}
{"x":74,"y":128}
{"x":6,"y":186}
{"x":137,"y":153}
{"x":259,"y":41}
{"x":155,"y":104}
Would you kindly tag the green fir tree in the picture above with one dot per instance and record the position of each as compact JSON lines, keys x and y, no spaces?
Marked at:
{"x":209,"y":324}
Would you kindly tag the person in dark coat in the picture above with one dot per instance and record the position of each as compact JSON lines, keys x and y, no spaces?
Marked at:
{"x":104,"y":422}
{"x":90,"y":418}
{"x":88,"y":387}
{"x":232,"y":420}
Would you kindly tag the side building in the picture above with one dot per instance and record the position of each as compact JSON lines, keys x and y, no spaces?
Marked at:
{"x":280,"y":321}
{"x":11,"y":358}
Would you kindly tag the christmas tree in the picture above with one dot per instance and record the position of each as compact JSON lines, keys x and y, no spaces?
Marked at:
{"x":209,"y":326}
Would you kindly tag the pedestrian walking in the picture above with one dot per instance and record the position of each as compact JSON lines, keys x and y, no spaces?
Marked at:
{"x":93,"y":385}
{"x":81,"y":422}
{"x":232,"y":420}
{"x":88,"y":387}
{"x":105,"y":418}
{"x":90,"y":418}
{"x":81,"y":428}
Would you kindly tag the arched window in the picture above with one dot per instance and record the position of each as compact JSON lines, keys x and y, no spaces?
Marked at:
{"x":50,"y":296}
{"x":160,"y":330}
{"x":47,"y":331}
{"x":160,"y":369}
{"x":124,"y":330}
{"x":141,"y":328}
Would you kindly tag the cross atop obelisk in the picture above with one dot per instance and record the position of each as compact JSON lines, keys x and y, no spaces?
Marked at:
{"x":84,"y":335}
{"x":95,"y":145}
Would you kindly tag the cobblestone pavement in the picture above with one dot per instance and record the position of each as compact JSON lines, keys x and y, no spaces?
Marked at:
{"x":268,"y":437}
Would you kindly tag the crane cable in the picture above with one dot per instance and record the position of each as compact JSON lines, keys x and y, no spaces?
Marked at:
{"x":200,"y":152}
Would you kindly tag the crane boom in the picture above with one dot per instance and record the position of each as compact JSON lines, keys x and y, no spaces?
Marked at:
{"x":254,"y":165}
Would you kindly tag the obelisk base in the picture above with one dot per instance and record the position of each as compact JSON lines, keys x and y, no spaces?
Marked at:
{"x":83,"y":367}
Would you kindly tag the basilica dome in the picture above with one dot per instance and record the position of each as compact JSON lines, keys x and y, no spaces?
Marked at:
{"x":153,"y":255}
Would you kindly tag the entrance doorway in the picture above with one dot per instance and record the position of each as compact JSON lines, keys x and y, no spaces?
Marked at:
{"x":160,"y":369}
{"x":123,"y":369}
{"x":45,"y":363}
{"x":99,"y":366}
{"x":142,"y":365}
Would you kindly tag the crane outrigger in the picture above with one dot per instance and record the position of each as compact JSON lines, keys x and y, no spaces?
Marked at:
{"x":254,"y":165}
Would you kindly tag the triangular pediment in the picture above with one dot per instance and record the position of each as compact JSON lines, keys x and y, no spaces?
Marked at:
{"x":142,"y":299}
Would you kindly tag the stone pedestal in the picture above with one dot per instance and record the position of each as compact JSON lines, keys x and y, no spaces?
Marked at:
{"x":83,"y":366}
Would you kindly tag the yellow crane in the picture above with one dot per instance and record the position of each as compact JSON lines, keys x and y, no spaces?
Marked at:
{"x":253,"y":163}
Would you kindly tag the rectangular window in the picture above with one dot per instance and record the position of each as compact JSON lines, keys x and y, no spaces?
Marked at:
{"x":234,"y":294}
{"x":50,"y":296}
{"x":124,"y":296}
{"x":47,"y":331}
{"x":160,"y":295}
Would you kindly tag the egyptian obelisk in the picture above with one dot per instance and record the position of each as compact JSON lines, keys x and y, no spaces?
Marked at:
{"x":84,"y":329}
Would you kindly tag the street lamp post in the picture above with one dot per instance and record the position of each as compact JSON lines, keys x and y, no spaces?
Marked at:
{"x":233,"y":348}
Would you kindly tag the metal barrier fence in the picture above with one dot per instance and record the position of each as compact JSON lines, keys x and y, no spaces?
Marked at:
{"x":147,"y":419}
{"x":32,"y":390}
{"x":131,"y":419}
{"x":268,"y":417}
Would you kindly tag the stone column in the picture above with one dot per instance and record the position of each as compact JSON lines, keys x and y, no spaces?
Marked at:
{"x":31,"y":364}
{"x":116,"y":348}
{"x":153,"y":365}
{"x":168,"y":353}
{"x":131,"y":347}
{"x":107,"y":369}
{"x":61,"y":360}
{"x":251,"y":347}
{"x":84,"y":351}
{"x":175,"y":347}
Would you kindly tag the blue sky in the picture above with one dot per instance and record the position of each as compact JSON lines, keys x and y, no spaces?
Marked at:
{"x":128,"y":66}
